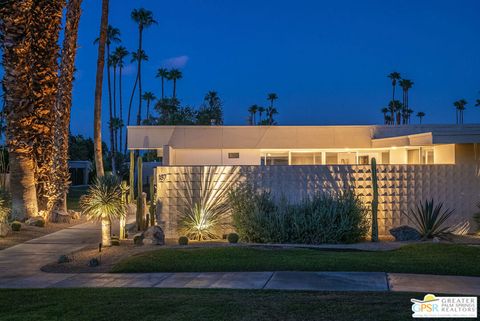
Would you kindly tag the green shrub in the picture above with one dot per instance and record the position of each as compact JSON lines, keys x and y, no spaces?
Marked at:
{"x":232,"y":238}
{"x":63,"y":259}
{"x":115,"y":241}
{"x":16,"y":226}
{"x":40,"y":223}
{"x":323,"y":218}
{"x":183,"y":240}
{"x":429,"y":219}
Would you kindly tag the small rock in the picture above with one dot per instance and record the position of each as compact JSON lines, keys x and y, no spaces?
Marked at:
{"x":436,"y":240}
{"x":154,"y":235}
{"x":4,"y":229}
{"x":138,"y":239}
{"x":36,"y":221}
{"x":405,"y":233}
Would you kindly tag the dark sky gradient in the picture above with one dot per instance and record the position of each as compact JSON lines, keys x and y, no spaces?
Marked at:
{"x":326,"y":60}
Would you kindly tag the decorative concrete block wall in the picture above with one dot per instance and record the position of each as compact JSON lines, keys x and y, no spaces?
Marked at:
{"x":400,"y":187}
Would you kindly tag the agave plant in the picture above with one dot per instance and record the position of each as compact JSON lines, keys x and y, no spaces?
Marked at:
{"x":206,"y":213}
{"x":429,"y":218}
{"x":103,"y":202}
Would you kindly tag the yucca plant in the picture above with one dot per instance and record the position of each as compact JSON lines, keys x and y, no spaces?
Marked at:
{"x":205,"y":214}
{"x":103,"y":202}
{"x":429,"y":219}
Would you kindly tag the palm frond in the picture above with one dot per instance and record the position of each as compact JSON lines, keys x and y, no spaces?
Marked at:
{"x":429,"y":219}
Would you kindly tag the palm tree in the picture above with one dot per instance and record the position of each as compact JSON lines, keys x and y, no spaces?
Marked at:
{"x":175,"y":75}
{"x":477,"y":104}
{"x":16,"y":18}
{"x":394,"y":76}
{"x":384,"y":112}
{"x":103,"y":202}
{"x":460,"y":107}
{"x":144,"y":19}
{"x":253,"y":111}
{"x":272,"y":97}
{"x":64,"y":101}
{"x":97,"y":133}
{"x":261,"y":110}
{"x":420,"y":116}
{"x":136,"y":56}
{"x":120,"y":54}
{"x":406,"y":85}
{"x":395,"y":107}
{"x":148,"y":96}
{"x":163,"y":74}
{"x":270,"y":112}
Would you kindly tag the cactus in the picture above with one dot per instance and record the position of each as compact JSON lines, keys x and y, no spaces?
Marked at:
{"x":131,"y":194}
{"x":124,"y":188}
{"x":374,"y":201}
{"x":140,"y":211}
{"x":152,"y":202}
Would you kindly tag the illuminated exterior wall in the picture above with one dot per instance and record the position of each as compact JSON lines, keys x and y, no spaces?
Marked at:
{"x":400,"y":187}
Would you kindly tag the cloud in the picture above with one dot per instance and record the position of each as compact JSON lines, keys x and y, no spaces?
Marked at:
{"x":175,"y":62}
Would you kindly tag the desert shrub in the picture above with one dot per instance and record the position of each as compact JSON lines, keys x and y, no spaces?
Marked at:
{"x":16,"y":226}
{"x":94,"y":262}
{"x":322,"y":218}
{"x":232,"y":238}
{"x":183,"y":240}
{"x":429,"y":218}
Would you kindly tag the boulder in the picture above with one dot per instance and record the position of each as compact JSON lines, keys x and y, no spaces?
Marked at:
{"x":138,"y":239}
{"x":36,"y":221}
{"x":154,"y":235}
{"x":60,"y":217}
{"x":74,"y":214}
{"x":4,"y":229}
{"x":405,"y":233}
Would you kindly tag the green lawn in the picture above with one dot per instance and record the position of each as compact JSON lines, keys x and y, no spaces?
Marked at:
{"x":195,"y":304}
{"x":419,"y":258}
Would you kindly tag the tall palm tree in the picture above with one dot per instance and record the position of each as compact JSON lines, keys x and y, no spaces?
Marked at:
{"x":103,"y":202}
{"x":271,"y":111}
{"x":144,"y":19}
{"x":97,"y":121}
{"x":272,"y":97}
{"x":163,"y":74}
{"x":136,"y":56}
{"x":460,"y":107}
{"x":261,"y":110}
{"x":253,"y":112}
{"x":18,"y":91}
{"x":420,"y":116}
{"x":148,"y":96}
{"x":477,"y":103}
{"x":120,"y":54}
{"x":406,"y":85}
{"x":394,"y":77}
{"x":46,"y":25}
{"x":384,"y":112}
{"x":64,"y":101}
{"x":175,"y":75}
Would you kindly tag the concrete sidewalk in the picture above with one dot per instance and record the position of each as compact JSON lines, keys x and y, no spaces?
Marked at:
{"x":20,"y":268}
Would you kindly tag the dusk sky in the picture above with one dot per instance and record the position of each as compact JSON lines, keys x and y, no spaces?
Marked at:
{"x":326,"y":60}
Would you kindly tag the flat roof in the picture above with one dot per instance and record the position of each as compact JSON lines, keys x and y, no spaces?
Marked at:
{"x":298,"y":137}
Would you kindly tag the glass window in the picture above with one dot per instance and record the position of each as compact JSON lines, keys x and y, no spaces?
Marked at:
{"x":427,"y":156}
{"x":413,"y":156}
{"x":331,"y":158}
{"x":385,"y":157}
{"x":318,"y":158}
{"x":276,"y":159}
{"x":302,"y":159}
{"x":363,"y":160}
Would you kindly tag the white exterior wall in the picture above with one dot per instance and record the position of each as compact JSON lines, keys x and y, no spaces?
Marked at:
{"x":398,"y":156}
{"x":444,"y":154}
{"x":189,"y":157}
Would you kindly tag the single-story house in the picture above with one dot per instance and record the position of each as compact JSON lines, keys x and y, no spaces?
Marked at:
{"x":308,"y":145}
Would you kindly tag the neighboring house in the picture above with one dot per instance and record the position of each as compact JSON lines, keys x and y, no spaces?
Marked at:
{"x":79,"y":172}
{"x":308,"y":145}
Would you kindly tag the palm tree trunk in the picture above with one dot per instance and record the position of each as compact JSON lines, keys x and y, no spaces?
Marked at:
{"x":106,"y":236}
{"x":64,"y":100}
{"x":174,"y":88}
{"x":22,"y":180}
{"x":120,"y":108}
{"x":97,"y":132}
{"x":139,"y":114}
{"x":115,"y":129}
{"x":148,"y":109}
{"x":129,"y":112}
{"x":110,"y":109}
{"x":163,"y":88}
